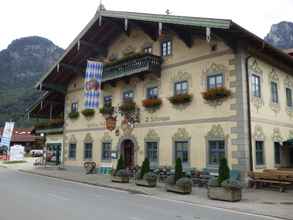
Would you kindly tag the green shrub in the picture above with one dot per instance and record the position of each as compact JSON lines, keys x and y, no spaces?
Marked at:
{"x":213,"y":182}
{"x":184,"y":182}
{"x":88,"y":112}
{"x":150,"y":177}
{"x":73,"y":115}
{"x":120,"y":164}
{"x":145,"y":168}
{"x":224,"y":171}
{"x":122,"y":173}
{"x":178,"y":169}
{"x":231,"y":184}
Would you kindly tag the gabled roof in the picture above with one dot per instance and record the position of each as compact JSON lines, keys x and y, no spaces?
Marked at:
{"x":97,"y":34}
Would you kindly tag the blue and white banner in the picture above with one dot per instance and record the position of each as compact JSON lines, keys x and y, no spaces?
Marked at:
{"x":92,"y":88}
{"x":7,"y":133}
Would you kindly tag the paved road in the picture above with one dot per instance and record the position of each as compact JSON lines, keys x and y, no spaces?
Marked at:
{"x":30,"y":197}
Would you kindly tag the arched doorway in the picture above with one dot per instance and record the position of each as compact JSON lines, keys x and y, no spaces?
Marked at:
{"x":127,"y":151}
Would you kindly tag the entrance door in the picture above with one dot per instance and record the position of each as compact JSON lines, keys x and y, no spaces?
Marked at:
{"x":128,"y":151}
{"x":54,"y":153}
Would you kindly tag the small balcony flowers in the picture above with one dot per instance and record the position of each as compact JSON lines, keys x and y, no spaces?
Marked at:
{"x":107,"y":110}
{"x":127,"y":106}
{"x":88,"y":112}
{"x":73,"y":115}
{"x":152,"y":103}
{"x":180,"y":99}
{"x":215,"y":94}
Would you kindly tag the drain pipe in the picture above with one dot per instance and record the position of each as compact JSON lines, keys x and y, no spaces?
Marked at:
{"x":249,"y":113}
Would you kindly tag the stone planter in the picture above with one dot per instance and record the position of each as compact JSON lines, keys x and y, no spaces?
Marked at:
{"x":178,"y":189}
{"x":224,"y":194}
{"x":120,"y":179}
{"x":143,"y":182}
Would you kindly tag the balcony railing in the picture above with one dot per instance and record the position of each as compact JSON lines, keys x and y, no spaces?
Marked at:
{"x":144,"y":63}
{"x":51,"y":126}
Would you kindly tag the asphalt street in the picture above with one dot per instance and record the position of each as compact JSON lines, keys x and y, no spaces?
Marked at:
{"x":31,"y":197}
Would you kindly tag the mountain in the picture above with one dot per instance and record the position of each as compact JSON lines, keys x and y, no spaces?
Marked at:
{"x":21,"y":65}
{"x":281,"y":35}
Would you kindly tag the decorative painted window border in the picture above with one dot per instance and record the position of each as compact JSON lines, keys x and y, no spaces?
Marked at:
{"x":106,"y":139}
{"x":152,"y":136}
{"x":72,"y":140}
{"x":288,"y":83}
{"x":216,"y":133}
{"x":151,"y":81}
{"x":259,"y":135}
{"x":214,"y":69}
{"x":273,"y":77}
{"x":254,"y":69}
{"x":181,"y":135}
{"x":88,"y":140}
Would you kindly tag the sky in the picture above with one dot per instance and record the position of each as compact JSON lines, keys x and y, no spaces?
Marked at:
{"x":61,"y":20}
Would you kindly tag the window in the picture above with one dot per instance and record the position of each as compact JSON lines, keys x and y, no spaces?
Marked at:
{"x":72,"y":152}
{"x":216,"y":151}
{"x":215,"y":81}
{"x":259,"y":153}
{"x":128,"y":95}
{"x":88,"y":147}
{"x":277,"y":153}
{"x":148,"y":50}
{"x":181,"y":151}
{"x":152,"y":92}
{"x":255,"y":85}
{"x":166,"y":48}
{"x":74,"y":107}
{"x":181,"y":87}
{"x":274,"y":91}
{"x":289,"y":97}
{"x":106,"y":151}
{"x":152,"y":151}
{"x":108,"y":100}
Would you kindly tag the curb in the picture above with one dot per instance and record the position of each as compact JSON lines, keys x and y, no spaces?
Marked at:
{"x":133,"y":191}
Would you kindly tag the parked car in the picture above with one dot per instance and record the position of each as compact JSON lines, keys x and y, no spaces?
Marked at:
{"x":36,"y":153}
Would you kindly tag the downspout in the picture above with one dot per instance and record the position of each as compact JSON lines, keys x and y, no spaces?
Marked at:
{"x":249,"y":113}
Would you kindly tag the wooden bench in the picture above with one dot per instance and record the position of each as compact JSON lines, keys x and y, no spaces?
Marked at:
{"x":270,"y":178}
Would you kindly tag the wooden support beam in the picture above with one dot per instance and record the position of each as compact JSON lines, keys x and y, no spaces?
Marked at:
{"x":72,"y":68}
{"x":148,"y":29}
{"x":92,"y":46}
{"x":55,"y":87}
{"x":185,"y":35}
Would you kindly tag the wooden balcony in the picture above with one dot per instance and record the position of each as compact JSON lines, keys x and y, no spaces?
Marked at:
{"x":136,"y":64}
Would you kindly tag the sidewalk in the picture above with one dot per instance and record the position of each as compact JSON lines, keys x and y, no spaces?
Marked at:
{"x":263,"y":202}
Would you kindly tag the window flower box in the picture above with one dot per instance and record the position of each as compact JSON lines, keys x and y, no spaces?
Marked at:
{"x":88,"y":112}
{"x":180,"y":99}
{"x":127,"y":106}
{"x":216,"y":94}
{"x":152,"y":103}
{"x":73,"y":115}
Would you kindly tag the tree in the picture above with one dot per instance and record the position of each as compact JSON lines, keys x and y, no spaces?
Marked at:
{"x":178,"y":169}
{"x":224,"y":171}
{"x":145,"y":167}
{"x":120,"y":164}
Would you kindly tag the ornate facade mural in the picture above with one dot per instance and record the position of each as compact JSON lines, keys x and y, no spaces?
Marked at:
{"x":212,"y":69}
{"x":106,"y":138}
{"x":72,"y":140}
{"x":152,"y":135}
{"x":216,"y":132}
{"x":88,"y":138}
{"x":181,"y":134}
{"x":276,"y":136}
{"x":258,"y":133}
{"x":288,"y":83}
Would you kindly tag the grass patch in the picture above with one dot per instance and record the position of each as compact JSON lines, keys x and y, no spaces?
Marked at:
{"x":13,"y":162}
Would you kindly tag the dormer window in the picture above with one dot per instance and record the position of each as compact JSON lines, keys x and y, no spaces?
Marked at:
{"x":148,"y":49}
{"x":166,"y":48}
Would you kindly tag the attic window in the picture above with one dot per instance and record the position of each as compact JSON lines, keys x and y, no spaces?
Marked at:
{"x":166,"y":48}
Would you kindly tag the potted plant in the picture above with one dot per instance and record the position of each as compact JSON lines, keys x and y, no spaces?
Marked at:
{"x":223,"y":188}
{"x":120,"y":175}
{"x":179,"y":183}
{"x":152,"y":103}
{"x":216,"y":94}
{"x":107,"y":110}
{"x":88,"y":112}
{"x":144,"y":177}
{"x":180,"y":99}
{"x":73,"y":115}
